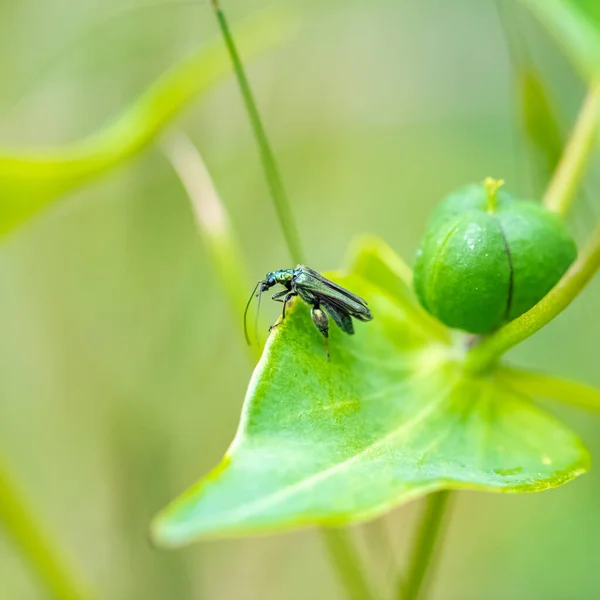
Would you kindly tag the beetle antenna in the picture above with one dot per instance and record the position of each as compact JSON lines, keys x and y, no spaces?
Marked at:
{"x":246,"y":313}
{"x":256,"y":318}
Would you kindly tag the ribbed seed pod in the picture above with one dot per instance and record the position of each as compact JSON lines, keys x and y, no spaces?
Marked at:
{"x":487,"y":257}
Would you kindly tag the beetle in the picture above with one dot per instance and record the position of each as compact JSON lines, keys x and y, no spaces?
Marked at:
{"x":322,"y":295}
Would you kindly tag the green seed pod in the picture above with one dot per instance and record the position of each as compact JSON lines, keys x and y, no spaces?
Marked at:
{"x":487,"y":257}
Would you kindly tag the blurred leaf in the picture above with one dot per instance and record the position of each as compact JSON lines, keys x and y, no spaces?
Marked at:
{"x":372,"y":259}
{"x":549,"y":386}
{"x":31,"y":180}
{"x":540,"y":122}
{"x":539,"y":119}
{"x":576,"y":25}
{"x":392,"y":416}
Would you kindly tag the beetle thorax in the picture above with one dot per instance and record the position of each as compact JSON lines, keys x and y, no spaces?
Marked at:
{"x":283,"y":276}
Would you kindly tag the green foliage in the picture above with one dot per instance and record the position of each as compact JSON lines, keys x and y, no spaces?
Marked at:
{"x":538,"y":115}
{"x":391,"y":417}
{"x":480,"y":265}
{"x":540,"y":122}
{"x":30,"y":181}
{"x":576,"y":25}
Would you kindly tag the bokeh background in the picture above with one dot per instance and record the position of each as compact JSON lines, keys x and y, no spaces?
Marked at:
{"x":122,"y":369}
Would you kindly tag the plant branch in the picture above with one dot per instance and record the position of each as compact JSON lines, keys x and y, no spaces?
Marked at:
{"x":427,"y":541}
{"x":561,"y":192}
{"x":484,"y":355}
{"x":274,"y":180}
{"x":346,"y":561}
{"x":44,"y":559}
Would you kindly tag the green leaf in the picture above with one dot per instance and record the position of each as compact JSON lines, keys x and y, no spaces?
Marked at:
{"x":391,"y":417}
{"x":29,"y":181}
{"x":576,"y":26}
{"x":540,"y":122}
{"x":544,"y":385}
{"x":538,"y":115}
{"x":373,"y":259}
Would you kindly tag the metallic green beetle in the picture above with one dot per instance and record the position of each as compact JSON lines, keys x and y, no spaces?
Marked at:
{"x":319,"y":293}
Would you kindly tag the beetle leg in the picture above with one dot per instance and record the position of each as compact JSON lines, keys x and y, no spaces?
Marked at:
{"x":277,"y":298}
{"x":321,"y":322}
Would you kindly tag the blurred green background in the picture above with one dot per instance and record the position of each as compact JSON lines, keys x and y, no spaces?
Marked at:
{"x":122,"y":370}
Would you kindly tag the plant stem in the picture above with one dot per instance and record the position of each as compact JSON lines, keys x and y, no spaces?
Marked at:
{"x":35,"y":545}
{"x":427,"y":541}
{"x":484,"y":355}
{"x":561,"y":192}
{"x":274,"y":180}
{"x":346,"y":560}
